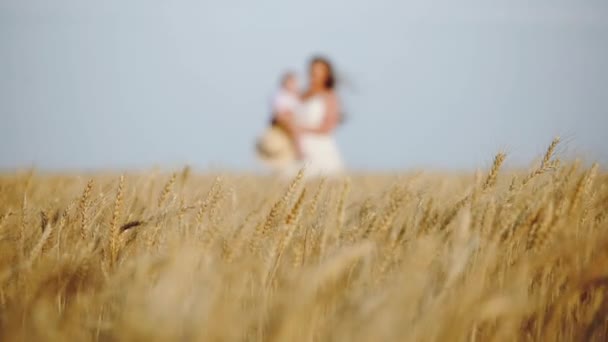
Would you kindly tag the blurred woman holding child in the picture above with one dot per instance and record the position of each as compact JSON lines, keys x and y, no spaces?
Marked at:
{"x":303,"y":125}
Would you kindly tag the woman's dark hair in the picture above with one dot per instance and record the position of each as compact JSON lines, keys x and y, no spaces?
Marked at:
{"x":330,"y":82}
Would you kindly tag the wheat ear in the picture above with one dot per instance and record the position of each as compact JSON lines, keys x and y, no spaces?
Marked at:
{"x":546,"y":163}
{"x":83,"y":206}
{"x":278,"y":206}
{"x":493,"y":174}
{"x":286,"y":235}
{"x":114,"y":226}
{"x":166,"y":190}
{"x":46,"y":234}
{"x":541,"y":228}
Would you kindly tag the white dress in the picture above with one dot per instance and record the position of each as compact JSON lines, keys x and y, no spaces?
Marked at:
{"x":321,"y":154}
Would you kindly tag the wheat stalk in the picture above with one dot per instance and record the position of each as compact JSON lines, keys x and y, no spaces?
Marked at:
{"x":278,"y":206}
{"x":285,"y":236}
{"x":341,"y":204}
{"x":114,"y":225}
{"x":83,"y":206}
{"x":42,"y":241}
{"x":493,"y":174}
{"x":312,"y":208}
{"x":541,"y":228}
{"x":162,"y":198}
{"x":23,"y":225}
{"x":583,"y":187}
{"x":546,"y":163}
{"x":211,"y":194}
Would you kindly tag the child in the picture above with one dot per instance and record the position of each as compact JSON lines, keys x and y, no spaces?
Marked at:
{"x":284,"y":106}
{"x":286,"y":99}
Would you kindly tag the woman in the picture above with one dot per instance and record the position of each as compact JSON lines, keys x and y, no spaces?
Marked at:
{"x":316,"y":121}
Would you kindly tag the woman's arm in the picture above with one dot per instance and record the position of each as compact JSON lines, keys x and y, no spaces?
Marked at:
{"x":331,"y":119}
{"x":285,"y":120}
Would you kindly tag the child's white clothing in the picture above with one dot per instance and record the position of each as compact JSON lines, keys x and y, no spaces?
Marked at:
{"x":285,"y":101}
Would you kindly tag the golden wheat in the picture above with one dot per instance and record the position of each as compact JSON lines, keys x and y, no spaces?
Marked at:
{"x":512,"y":255}
{"x":114,"y":226}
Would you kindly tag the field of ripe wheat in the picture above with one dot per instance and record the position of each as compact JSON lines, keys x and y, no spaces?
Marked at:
{"x":494,"y":255}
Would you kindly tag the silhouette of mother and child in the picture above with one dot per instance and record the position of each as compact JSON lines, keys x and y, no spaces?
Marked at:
{"x":303,"y":125}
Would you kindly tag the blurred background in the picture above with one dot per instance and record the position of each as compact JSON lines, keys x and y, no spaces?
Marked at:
{"x":438,"y":84}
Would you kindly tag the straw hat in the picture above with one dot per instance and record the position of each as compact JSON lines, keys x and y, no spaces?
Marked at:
{"x":275,"y":148}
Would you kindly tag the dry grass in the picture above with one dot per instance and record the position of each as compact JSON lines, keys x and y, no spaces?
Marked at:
{"x":411,"y":257}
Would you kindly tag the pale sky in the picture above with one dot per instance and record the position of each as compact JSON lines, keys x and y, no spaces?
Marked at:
{"x":442,"y":84}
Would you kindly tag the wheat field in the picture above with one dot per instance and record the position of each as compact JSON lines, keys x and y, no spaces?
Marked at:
{"x":496,"y":255}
